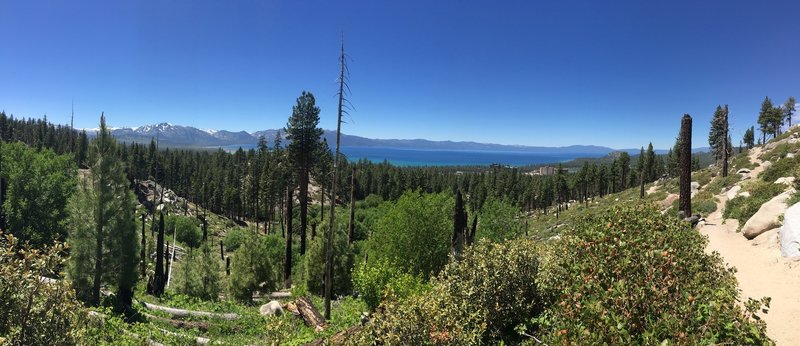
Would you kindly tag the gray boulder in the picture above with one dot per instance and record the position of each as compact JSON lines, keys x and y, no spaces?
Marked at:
{"x":785,"y":180}
{"x":733,"y":192}
{"x":790,"y":232}
{"x":273,"y":308}
{"x":766,"y":217}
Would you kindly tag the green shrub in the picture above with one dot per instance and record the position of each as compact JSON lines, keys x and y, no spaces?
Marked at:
{"x":235,"y":237}
{"x":414,"y":232}
{"x":187,"y":230}
{"x":632,"y":276}
{"x":481,"y":298}
{"x":720,"y":182}
{"x":375,"y":280}
{"x":253,"y":267}
{"x":742,"y":208}
{"x":704,"y":206}
{"x":497,"y":221}
{"x":32,"y":311}
{"x":782,"y":168}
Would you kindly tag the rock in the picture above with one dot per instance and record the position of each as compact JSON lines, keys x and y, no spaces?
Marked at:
{"x":695,"y":187}
{"x":790,"y":232}
{"x":766,"y":165}
{"x":743,"y":171}
{"x":785,"y":180}
{"x":766,"y":217}
{"x":733,"y":192}
{"x":745,"y":176}
{"x":273,"y":308}
{"x":768,"y":238}
{"x":790,"y":155}
{"x":744,"y":194}
{"x":793,"y":141}
{"x":724,"y":189}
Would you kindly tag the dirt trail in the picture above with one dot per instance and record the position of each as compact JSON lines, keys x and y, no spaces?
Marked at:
{"x":761,"y":271}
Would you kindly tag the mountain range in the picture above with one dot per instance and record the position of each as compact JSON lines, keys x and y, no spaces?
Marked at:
{"x":191,"y":137}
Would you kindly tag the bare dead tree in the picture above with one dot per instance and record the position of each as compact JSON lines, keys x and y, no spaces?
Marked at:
{"x":344,"y":89}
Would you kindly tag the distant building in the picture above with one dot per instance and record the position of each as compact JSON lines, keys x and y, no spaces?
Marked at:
{"x":547,"y":170}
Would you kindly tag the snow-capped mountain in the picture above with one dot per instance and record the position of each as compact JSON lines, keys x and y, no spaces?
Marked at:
{"x":187,"y":136}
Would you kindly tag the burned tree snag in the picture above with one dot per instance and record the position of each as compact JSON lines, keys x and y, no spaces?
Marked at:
{"x":685,"y":203}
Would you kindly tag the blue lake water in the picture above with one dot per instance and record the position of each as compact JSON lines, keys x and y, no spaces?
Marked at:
{"x":418,"y":157}
{"x":421,"y":157}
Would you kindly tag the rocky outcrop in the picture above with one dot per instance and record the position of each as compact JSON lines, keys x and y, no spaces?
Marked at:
{"x":790,"y":232}
{"x":766,"y":217}
{"x":785,"y":180}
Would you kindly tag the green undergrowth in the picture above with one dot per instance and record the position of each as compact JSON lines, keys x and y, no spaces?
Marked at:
{"x":625,"y":275}
{"x":742,"y":208}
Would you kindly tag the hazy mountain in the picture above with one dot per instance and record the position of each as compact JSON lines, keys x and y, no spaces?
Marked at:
{"x":187,"y":136}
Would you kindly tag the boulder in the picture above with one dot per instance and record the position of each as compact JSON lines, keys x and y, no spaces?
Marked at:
{"x":273,"y":308}
{"x":744,"y":194}
{"x":785,"y":180}
{"x":766,"y":217}
{"x":766,"y":165}
{"x":790,"y":155}
{"x":743,"y":171}
{"x":768,"y":239}
{"x":790,"y":232}
{"x":695,"y":187}
{"x":733,"y":192}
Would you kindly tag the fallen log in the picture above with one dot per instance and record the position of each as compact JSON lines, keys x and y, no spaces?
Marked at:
{"x":305,"y":309}
{"x":186,"y":313}
{"x":178,"y":323}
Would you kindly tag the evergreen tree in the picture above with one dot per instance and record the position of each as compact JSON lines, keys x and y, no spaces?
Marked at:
{"x":716,"y":134}
{"x":749,"y":137}
{"x":103,"y":241}
{"x":624,"y":164}
{"x":302,"y":130}
{"x":789,"y":109}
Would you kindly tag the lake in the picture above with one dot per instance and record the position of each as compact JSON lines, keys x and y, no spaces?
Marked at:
{"x":423,"y":157}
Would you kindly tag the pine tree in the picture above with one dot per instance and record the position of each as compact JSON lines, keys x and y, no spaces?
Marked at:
{"x":749,"y":137}
{"x":789,"y":109}
{"x":716,"y":134}
{"x":302,"y":130}
{"x":103,"y":240}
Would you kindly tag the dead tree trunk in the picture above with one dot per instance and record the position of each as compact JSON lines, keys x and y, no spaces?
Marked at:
{"x":143,"y":252}
{"x":287,"y":264}
{"x":685,"y":202}
{"x":351,"y":225}
{"x":459,"y":226}
{"x":306,"y":310}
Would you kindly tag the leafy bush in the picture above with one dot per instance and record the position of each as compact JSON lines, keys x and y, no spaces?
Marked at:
{"x":720,"y":182}
{"x":187,"y":230}
{"x":253,"y":267}
{"x":483,"y":297}
{"x":498,"y":221}
{"x":633,"y":276}
{"x":742,"y":208}
{"x":375,"y":280}
{"x":235,"y":237}
{"x":782,"y":168}
{"x":414,"y":232}
{"x":33,"y":310}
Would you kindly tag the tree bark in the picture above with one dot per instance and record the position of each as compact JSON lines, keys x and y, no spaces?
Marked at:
{"x":303,"y":209}
{"x":351,"y":225}
{"x":685,"y":203}
{"x":306,"y":310}
{"x":287,"y":264}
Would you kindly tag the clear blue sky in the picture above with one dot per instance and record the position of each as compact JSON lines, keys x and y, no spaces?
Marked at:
{"x":553,"y":73}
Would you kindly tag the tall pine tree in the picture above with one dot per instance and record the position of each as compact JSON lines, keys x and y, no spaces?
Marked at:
{"x":103,"y":239}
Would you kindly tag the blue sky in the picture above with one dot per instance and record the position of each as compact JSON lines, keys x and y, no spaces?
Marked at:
{"x":613,"y":73}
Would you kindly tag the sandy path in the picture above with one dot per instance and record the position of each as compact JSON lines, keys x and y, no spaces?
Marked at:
{"x":761,"y":271}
